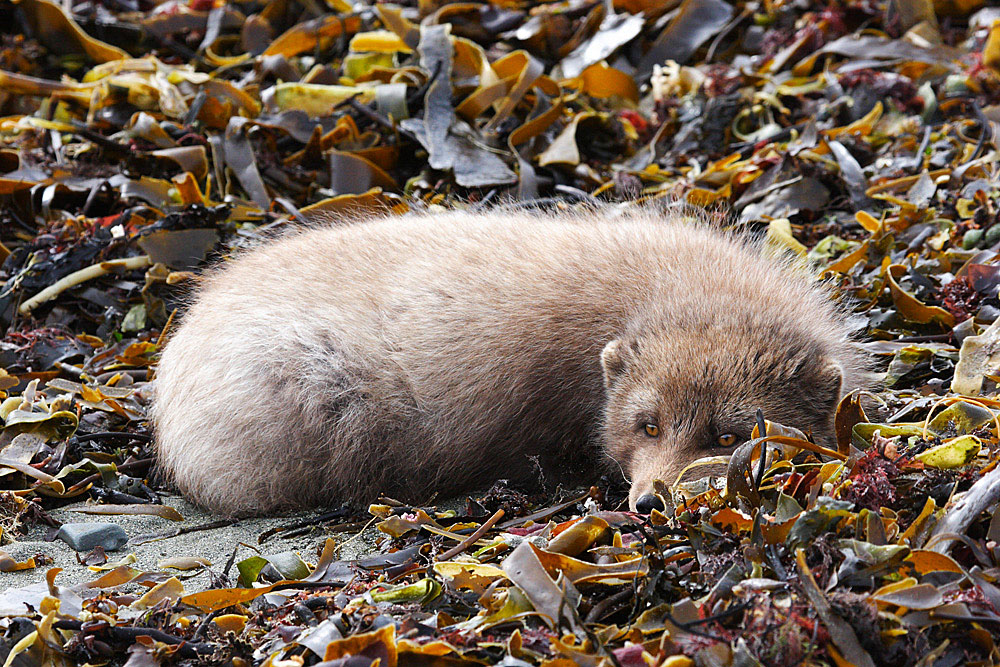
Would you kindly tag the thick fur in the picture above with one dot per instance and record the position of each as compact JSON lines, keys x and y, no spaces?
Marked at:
{"x":439,"y":353}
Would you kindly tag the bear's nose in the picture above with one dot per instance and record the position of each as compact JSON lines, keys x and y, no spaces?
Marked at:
{"x":648,"y":502}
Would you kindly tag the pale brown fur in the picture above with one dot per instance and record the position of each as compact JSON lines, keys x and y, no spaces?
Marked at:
{"x":439,"y":353}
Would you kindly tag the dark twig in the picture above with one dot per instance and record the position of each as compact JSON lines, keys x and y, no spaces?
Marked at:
{"x":113,"y":435}
{"x":485,"y":201}
{"x":308,"y":524}
{"x":605,"y":606}
{"x":918,"y":159}
{"x":187,"y":649}
{"x":735,"y":609}
{"x":688,"y":627}
{"x":924,"y":339}
{"x":335,"y":528}
{"x":421,"y":92}
{"x":543,"y":514}
{"x":379,"y":119}
{"x":471,"y":539}
{"x":203,"y":626}
{"x":99,"y":139}
{"x":726,"y":29}
{"x":985,"y":133}
{"x":776,"y":565}
{"x":196,"y":104}
{"x":212,"y":525}
{"x":577,"y":193}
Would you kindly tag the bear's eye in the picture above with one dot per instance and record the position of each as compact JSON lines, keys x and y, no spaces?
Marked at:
{"x":652,"y":430}
{"x":727,"y":440}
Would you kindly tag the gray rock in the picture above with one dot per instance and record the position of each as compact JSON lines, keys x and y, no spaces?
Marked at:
{"x":86,"y":536}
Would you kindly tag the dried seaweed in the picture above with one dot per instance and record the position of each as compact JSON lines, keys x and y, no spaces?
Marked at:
{"x":141,"y":141}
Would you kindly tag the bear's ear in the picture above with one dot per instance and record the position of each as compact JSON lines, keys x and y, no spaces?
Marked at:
{"x":613,"y":361}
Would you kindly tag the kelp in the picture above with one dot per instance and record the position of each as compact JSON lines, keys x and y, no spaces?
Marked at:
{"x":141,"y":142}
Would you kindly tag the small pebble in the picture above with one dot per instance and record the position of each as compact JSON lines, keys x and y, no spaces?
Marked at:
{"x":972,"y":238}
{"x":86,"y":536}
{"x":987,"y":315}
{"x":288,"y":565}
{"x":992,"y":235}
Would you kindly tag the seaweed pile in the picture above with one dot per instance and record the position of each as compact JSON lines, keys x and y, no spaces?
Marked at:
{"x":140,"y":141}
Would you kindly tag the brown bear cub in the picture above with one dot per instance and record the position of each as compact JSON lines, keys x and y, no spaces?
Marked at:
{"x":440,"y":353}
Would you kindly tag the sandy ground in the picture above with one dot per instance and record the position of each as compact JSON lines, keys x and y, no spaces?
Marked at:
{"x":215,"y":544}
